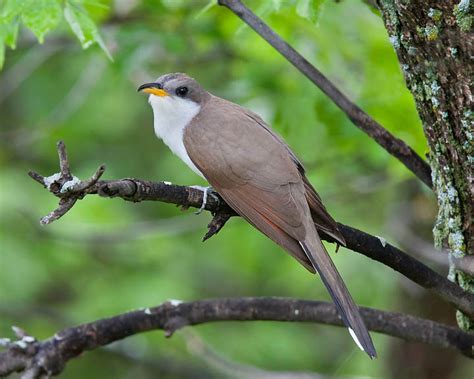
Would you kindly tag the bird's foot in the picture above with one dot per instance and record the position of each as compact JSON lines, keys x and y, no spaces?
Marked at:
{"x":207,"y":191}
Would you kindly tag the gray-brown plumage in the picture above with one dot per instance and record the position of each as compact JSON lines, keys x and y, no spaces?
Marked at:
{"x":259,"y":176}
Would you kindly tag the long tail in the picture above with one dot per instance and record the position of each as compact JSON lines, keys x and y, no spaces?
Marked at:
{"x":319,"y":258}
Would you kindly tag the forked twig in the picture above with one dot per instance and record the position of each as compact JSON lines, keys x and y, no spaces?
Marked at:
{"x":64,"y":185}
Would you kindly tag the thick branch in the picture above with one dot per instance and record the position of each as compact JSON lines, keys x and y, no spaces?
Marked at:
{"x":50,"y":356}
{"x":140,"y":190}
{"x":394,"y":146}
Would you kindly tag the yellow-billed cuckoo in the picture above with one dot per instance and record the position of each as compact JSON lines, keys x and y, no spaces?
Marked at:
{"x":257,"y":174}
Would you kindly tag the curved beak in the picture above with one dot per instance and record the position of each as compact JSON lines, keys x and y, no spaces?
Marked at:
{"x":153,"y":89}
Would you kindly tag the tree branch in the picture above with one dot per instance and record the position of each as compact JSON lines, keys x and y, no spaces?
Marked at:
{"x":140,"y":190}
{"x":50,"y":356}
{"x":393,"y":145}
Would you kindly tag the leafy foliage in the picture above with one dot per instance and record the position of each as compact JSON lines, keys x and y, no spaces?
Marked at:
{"x":43,"y":16}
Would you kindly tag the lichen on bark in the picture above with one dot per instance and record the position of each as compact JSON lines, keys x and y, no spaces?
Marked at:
{"x":463,"y":13}
{"x":433,"y":43}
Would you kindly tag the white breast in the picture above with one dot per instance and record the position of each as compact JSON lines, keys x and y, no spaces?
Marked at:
{"x":171,"y":116}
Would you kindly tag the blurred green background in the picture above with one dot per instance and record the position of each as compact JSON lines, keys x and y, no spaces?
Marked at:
{"x":109,"y":256}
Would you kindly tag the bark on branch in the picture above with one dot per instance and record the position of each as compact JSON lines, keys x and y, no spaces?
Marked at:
{"x":393,"y":145}
{"x":49,"y":357}
{"x":70,"y":190}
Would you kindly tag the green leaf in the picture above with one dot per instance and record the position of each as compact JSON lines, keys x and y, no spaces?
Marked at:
{"x":83,"y":27}
{"x":10,"y":33}
{"x":8,"y":36}
{"x":309,"y":9}
{"x":41,"y":16}
{"x":10,"y":9}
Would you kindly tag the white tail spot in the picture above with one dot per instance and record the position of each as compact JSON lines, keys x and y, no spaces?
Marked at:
{"x":356,"y":340}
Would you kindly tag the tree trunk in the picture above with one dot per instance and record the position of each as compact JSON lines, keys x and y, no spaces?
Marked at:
{"x":433,"y":41}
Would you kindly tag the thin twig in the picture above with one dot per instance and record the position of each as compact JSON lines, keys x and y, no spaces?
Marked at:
{"x":50,"y":356}
{"x":37,"y":177}
{"x":63,"y":161}
{"x":64,"y":185}
{"x":361,"y":119}
{"x":64,"y":206}
{"x":86,"y":184}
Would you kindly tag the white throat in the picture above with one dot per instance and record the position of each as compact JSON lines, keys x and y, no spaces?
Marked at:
{"x":171,"y":116}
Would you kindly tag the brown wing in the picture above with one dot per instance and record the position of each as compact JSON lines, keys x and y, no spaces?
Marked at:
{"x":252,"y":171}
{"x":322,"y":219}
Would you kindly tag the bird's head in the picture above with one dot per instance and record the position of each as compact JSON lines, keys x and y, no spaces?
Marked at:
{"x":176,"y":88}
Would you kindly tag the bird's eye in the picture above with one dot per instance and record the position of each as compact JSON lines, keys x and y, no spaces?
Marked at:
{"x":181,"y":91}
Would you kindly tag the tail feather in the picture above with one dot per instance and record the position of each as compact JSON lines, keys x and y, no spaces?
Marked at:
{"x":319,"y":258}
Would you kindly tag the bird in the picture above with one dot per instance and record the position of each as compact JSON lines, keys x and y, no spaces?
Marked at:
{"x":257,"y":174}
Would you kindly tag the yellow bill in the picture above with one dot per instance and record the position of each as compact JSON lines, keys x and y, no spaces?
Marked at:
{"x":155,"y":91}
